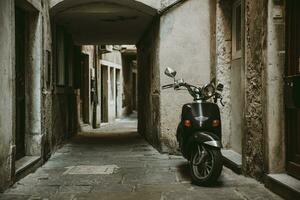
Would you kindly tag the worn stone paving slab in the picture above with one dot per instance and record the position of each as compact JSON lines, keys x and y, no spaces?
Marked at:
{"x":81,"y":170}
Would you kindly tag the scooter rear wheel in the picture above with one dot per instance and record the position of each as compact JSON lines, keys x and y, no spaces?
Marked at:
{"x":206,"y":165}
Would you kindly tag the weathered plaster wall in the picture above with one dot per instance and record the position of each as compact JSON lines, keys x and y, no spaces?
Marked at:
{"x":149,"y":86}
{"x":229,"y":71}
{"x":46,"y":81}
{"x":119,"y":93}
{"x":114,"y":57}
{"x":7,"y":87}
{"x":263,"y":139}
{"x":38,"y":111}
{"x":185,"y":45}
{"x":89,"y":50}
{"x":113,"y":60}
{"x":33,"y":89}
{"x":273,"y":85}
{"x":111,"y":95}
{"x":255,"y":65}
{"x":223,"y":63}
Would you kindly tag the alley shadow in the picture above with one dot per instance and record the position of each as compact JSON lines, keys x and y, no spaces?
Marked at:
{"x":184,"y":171}
{"x":107,"y":138}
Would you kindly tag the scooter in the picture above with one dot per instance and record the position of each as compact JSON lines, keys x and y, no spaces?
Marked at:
{"x":199,"y":131}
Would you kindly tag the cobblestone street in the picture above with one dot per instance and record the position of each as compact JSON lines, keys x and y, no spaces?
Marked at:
{"x":116,"y":163}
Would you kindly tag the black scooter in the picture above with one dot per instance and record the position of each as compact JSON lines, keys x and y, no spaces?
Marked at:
{"x":199,"y":131}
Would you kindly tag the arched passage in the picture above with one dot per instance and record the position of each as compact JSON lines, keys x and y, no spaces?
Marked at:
{"x":173,"y":35}
{"x":80,"y":23}
{"x":102,"y":21}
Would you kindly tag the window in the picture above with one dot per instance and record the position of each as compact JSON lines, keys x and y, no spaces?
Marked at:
{"x":236,"y":29}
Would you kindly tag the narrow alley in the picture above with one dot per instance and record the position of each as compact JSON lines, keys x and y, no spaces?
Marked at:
{"x":86,"y":114}
{"x":114,"y":162}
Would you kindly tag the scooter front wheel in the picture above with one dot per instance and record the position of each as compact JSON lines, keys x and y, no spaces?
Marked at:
{"x":206,"y":165}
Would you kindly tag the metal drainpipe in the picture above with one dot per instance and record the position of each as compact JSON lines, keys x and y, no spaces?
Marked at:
{"x":169,"y":7}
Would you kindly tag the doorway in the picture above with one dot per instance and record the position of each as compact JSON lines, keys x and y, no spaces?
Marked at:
{"x":237,"y":72}
{"x":20,"y":38}
{"x":292,"y":88}
{"x":104,"y":94}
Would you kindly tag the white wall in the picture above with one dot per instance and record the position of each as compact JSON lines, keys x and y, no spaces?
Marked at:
{"x":114,"y":61}
{"x":185,"y":43}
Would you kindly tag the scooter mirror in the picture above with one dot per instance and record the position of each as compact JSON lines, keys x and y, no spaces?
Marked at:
{"x":181,"y":81}
{"x":170,"y":72}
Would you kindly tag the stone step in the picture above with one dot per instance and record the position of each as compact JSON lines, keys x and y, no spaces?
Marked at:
{"x":283,"y":185}
{"x":26,"y":165}
{"x":232,"y":160}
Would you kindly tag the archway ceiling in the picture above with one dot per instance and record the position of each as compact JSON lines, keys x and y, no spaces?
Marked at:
{"x":104,"y":23}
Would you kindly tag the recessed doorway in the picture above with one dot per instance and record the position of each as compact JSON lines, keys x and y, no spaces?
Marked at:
{"x":20,"y":38}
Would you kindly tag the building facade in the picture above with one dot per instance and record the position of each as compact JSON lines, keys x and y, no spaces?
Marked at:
{"x":101,"y":93}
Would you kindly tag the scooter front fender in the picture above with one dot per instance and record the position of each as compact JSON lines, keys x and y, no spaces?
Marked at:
{"x":207,"y":138}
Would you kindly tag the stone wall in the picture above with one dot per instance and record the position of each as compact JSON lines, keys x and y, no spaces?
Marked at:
{"x":255,"y":65}
{"x":39,"y":126}
{"x":46,"y":107}
{"x":7,"y":88}
{"x":263,"y":60}
{"x":148,"y":86}
{"x":223,"y":63}
{"x":88,"y":107}
{"x":273,"y":86}
{"x":33,"y":88}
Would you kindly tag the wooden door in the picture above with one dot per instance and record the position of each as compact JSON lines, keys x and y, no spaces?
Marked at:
{"x":292,"y":89}
{"x":20,"y":82}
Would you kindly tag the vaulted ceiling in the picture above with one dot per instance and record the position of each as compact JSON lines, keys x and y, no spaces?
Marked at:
{"x":103,"y":22}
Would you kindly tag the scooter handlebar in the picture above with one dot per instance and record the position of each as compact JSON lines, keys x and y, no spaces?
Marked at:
{"x":167,"y":86}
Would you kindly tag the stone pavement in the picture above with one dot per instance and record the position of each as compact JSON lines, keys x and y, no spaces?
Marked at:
{"x":114,"y":162}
